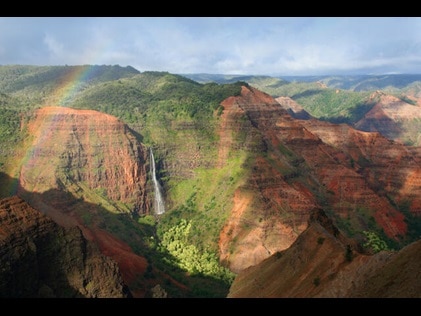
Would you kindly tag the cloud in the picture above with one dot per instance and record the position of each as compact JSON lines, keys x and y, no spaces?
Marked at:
{"x":54,"y":47}
{"x":273,"y":45}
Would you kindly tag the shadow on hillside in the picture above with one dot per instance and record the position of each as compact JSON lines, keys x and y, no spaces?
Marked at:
{"x":306,"y":93}
{"x":355,"y":114}
{"x":385,"y":126}
{"x":39,"y":265}
{"x":359,"y":111}
{"x":138,"y":136}
{"x":64,"y":208}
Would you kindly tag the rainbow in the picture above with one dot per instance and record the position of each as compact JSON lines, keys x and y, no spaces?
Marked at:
{"x":73,"y":81}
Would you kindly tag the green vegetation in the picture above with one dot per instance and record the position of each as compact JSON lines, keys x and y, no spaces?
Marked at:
{"x":12,"y":128}
{"x":334,"y":106}
{"x":406,"y":99}
{"x":177,"y":117}
{"x":167,"y":109}
{"x":155,"y":97}
{"x":175,"y":241}
{"x":9,"y":132}
{"x":148,"y":220}
{"x":206,"y":200}
{"x":54,"y":85}
{"x":374,"y":242}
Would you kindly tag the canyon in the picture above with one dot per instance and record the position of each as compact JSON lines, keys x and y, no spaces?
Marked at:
{"x":308,"y":163}
{"x":261,"y":185}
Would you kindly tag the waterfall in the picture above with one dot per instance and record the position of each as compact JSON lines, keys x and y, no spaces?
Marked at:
{"x":159,"y":201}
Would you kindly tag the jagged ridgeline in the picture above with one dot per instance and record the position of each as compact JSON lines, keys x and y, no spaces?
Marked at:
{"x":347,"y":99}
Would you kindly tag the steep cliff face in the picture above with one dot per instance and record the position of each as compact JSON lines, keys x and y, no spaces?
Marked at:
{"x":87,"y":169}
{"x":39,"y":258}
{"x":86,"y":152}
{"x":296,"y":165}
{"x":324,"y":263}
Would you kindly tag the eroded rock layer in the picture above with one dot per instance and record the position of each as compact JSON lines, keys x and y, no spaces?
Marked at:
{"x":82,"y":150}
{"x":361,"y":178}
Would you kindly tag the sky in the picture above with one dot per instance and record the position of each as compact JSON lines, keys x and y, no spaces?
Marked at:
{"x":218,"y":45}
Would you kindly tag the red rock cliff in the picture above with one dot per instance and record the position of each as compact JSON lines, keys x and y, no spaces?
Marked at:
{"x":82,"y":167}
{"x":301,"y":164}
{"x":85,"y":150}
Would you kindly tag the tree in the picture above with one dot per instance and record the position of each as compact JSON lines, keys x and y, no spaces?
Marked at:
{"x":374,"y":242}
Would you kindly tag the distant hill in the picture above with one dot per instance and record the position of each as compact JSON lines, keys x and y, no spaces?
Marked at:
{"x":36,"y":82}
{"x":347,"y":99}
{"x":18,"y":77}
{"x":351,"y":82}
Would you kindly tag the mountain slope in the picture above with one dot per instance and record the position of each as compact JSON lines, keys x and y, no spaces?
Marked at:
{"x":386,"y":104}
{"x":393,"y":118}
{"x":362,"y":179}
{"x":87,"y":169}
{"x":39,"y":258}
{"x":323,"y":263}
{"x":32,"y":80}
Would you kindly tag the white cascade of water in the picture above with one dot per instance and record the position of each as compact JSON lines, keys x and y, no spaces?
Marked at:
{"x":159,"y":200}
